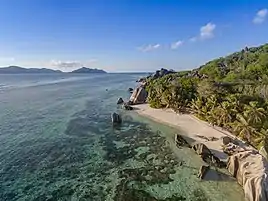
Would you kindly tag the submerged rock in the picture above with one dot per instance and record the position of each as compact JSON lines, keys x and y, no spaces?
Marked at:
{"x":120,"y":101}
{"x":116,"y":118}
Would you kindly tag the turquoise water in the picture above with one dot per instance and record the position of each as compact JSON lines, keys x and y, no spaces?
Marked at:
{"x":57,"y":143}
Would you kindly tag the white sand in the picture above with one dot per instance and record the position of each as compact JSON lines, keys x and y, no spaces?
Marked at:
{"x":189,"y":125}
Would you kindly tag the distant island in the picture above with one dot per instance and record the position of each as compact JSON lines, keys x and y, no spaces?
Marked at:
{"x":88,"y":70}
{"x":21,"y":70}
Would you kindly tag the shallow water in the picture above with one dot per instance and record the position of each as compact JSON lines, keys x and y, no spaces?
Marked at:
{"x":57,"y":143}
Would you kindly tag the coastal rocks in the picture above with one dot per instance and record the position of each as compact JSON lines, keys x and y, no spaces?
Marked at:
{"x":116,"y":119}
{"x":126,"y":106}
{"x":207,"y":156}
{"x":201,"y":149}
{"x":226,"y":140}
{"x":180,"y":141}
{"x":143,"y":79}
{"x":120,"y":101}
{"x":203,"y":171}
{"x":162,"y":72}
{"x":138,"y":96}
{"x":251,"y":171}
{"x":130,"y":90}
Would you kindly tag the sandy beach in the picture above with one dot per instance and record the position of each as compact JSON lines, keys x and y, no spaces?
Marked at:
{"x":191,"y":127}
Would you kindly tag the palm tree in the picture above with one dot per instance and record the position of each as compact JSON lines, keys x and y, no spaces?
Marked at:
{"x":243,"y":127}
{"x":262,"y":139}
{"x":212,"y":102}
{"x":236,"y":104}
{"x":224,"y":113}
{"x":254,"y":113}
{"x":197,"y":105}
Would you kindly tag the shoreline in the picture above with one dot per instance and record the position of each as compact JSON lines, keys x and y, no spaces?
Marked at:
{"x":191,"y":128}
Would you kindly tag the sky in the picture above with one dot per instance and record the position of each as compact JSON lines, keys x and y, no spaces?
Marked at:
{"x":127,"y":35}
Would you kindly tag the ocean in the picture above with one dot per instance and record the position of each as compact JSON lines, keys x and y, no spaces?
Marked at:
{"x":57,"y":143}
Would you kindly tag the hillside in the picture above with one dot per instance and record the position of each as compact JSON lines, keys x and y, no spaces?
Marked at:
{"x":20,"y":70}
{"x":231,"y":92}
{"x":249,"y":64}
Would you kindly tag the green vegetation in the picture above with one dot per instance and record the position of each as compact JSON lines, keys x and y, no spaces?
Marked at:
{"x":230,"y":92}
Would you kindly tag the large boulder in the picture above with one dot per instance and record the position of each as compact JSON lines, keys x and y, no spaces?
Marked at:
{"x":251,"y":171}
{"x":116,"y":119}
{"x":138,"y":96}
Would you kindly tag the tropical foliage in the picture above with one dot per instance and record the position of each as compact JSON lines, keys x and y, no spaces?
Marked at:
{"x":230,"y":92}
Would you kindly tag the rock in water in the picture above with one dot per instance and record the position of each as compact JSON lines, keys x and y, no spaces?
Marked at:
{"x":120,"y":101}
{"x":138,"y":96}
{"x":127,"y":107}
{"x":203,"y":171}
{"x":130,"y":90}
{"x":116,"y":118}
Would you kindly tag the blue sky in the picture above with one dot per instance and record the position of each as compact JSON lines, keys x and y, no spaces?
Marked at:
{"x":127,"y":35}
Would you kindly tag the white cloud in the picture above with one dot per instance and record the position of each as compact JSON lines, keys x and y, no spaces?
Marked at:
{"x":176,"y":44}
{"x":71,"y":64}
{"x":149,"y":47}
{"x":260,"y":16}
{"x":207,"y":31}
{"x":193,"y":39}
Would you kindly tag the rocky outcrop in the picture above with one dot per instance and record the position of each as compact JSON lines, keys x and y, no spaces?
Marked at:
{"x":138,"y":96}
{"x":251,"y":171}
{"x":116,"y":119}
{"x":120,"y":101}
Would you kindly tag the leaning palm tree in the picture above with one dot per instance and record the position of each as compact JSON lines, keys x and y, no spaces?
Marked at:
{"x":254,"y":113}
{"x":243,"y":127}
